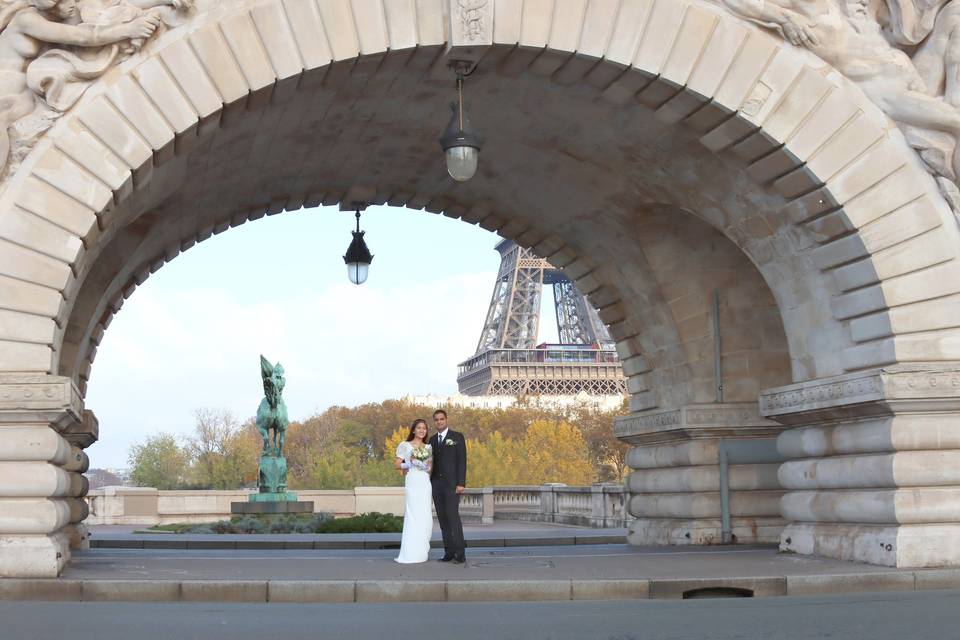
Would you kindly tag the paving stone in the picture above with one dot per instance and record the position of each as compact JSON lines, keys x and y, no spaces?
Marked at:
{"x":224,"y":590}
{"x":610,"y":589}
{"x":850,"y":583}
{"x":52,"y":589}
{"x":401,"y":591}
{"x":937,"y":579}
{"x":539,"y":542}
{"x":311,"y":591}
{"x":131,"y":590}
{"x":507,"y":590}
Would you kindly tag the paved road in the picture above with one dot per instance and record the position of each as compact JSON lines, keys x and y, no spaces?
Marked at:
{"x":888,"y":616}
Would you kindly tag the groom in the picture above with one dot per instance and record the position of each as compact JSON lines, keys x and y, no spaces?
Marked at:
{"x":449,"y":477}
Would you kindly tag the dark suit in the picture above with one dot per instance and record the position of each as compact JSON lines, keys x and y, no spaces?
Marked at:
{"x":449,"y":471}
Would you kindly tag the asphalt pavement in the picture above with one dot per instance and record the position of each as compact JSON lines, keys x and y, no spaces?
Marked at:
{"x":886,"y":616}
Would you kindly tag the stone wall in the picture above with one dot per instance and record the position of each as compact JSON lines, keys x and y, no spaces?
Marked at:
{"x":596,"y":506}
{"x":148,"y":506}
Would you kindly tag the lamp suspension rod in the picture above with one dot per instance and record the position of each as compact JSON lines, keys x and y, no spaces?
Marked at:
{"x":460,"y":96}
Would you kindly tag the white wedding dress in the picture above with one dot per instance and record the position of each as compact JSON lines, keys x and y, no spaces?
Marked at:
{"x":417,"y":516}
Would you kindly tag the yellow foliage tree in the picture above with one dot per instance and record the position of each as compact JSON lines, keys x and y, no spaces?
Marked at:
{"x":556,"y":452}
{"x":391,"y":443}
{"x":497,"y":462}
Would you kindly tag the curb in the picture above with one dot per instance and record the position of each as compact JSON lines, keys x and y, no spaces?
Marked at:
{"x":345,"y":591}
{"x":273,"y":545}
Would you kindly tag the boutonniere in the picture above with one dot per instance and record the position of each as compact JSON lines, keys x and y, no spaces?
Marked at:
{"x":449,"y":442}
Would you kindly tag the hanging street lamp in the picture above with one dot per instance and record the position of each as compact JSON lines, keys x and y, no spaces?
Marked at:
{"x":358,"y":257}
{"x":460,"y":143}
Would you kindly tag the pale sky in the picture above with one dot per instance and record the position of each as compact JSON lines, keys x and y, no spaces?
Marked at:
{"x":190,"y":337}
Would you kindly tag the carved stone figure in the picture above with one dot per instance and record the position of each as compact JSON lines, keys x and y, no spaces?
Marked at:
{"x":50,"y":51}
{"x":858,"y":38}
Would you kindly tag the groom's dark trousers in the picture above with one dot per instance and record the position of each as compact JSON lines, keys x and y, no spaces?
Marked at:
{"x":449,"y":471}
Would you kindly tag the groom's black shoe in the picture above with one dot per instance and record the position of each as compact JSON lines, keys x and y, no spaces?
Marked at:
{"x":446,"y":558}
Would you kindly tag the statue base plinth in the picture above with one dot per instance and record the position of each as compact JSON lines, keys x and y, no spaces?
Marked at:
{"x":273,"y":497}
{"x":263,"y":496}
{"x":271,"y":503}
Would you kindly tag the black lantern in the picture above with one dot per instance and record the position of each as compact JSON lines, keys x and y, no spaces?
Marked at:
{"x":460,"y":143}
{"x":358,"y":257}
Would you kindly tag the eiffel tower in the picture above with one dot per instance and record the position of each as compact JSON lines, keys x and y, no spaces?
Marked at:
{"x":509,"y":362}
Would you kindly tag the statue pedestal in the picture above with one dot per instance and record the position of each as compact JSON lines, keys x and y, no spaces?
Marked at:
{"x":286,"y":504}
{"x":273,"y":497}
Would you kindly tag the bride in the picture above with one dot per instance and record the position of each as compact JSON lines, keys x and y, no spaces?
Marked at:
{"x":415,"y":460}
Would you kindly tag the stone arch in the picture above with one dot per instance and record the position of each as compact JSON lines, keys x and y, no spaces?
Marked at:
{"x":844,"y":189}
{"x":766,"y":143}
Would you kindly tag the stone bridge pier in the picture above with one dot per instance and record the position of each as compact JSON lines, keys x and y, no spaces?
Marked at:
{"x":43,"y":432}
{"x":768,"y":230}
{"x":872,"y":472}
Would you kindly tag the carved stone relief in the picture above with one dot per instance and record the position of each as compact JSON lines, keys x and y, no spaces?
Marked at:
{"x":472,"y":19}
{"x":51,"y":50}
{"x":903,"y":54}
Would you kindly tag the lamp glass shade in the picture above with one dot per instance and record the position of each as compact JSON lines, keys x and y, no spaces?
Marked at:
{"x":357,"y":272}
{"x":358,"y":258}
{"x":462,"y":162}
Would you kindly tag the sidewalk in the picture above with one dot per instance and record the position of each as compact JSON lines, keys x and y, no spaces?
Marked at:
{"x":516,"y":573}
{"x":506,"y":534}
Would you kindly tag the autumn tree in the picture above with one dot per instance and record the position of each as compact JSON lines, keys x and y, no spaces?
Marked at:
{"x":391,"y":443}
{"x":159,"y":462}
{"x":608,"y":454}
{"x":224,"y":453}
{"x":337,"y":467}
{"x":497,"y":462}
{"x":556,"y":452}
{"x":345,"y":447}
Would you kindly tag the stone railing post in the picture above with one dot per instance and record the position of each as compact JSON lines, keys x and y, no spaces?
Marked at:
{"x":487,"y":512}
{"x":41,"y":486}
{"x":598,"y":506}
{"x":548,"y":503}
{"x":873,"y":469}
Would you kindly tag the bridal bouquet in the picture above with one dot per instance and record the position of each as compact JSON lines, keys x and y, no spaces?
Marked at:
{"x":419,"y":457}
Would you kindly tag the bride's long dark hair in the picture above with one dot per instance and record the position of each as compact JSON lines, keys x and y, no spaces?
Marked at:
{"x":413,"y":430}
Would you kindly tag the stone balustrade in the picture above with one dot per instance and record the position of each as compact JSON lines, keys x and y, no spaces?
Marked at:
{"x":599,"y":505}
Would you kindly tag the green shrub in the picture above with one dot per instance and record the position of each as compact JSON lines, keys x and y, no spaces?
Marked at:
{"x":306,"y":523}
{"x":373,"y":522}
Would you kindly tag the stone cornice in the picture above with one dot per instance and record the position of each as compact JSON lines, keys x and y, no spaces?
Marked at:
{"x":694,"y":422}
{"x":933,"y":387}
{"x":40,"y":398}
{"x":84,"y":433}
